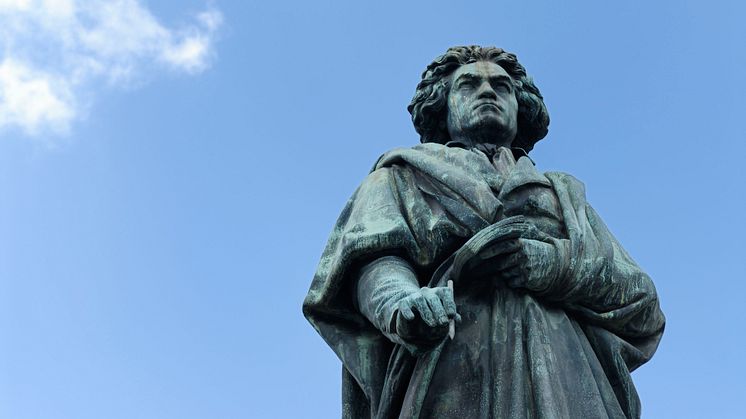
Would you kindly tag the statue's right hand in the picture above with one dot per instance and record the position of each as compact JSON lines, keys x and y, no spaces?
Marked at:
{"x":423,"y":316}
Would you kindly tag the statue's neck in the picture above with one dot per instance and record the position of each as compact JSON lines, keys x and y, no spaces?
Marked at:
{"x":486,"y":148}
{"x":490,"y":149}
{"x":470,"y":141}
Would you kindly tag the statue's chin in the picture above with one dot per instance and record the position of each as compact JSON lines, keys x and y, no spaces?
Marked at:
{"x":491,"y":135}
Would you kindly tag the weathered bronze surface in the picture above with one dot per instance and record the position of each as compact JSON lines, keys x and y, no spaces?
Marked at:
{"x":551,"y":314}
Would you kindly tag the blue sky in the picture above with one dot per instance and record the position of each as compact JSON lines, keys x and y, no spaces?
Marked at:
{"x":170,"y":172}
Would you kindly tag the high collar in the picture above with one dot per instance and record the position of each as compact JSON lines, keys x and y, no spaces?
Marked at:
{"x":490,"y":150}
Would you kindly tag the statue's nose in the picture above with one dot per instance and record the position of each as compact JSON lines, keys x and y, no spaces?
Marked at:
{"x":486,"y":91}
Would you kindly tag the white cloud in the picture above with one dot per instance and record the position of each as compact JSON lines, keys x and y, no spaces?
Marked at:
{"x":189,"y":54}
{"x":54,"y":51}
{"x":33,"y":100}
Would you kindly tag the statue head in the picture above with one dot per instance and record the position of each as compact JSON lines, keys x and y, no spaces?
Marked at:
{"x":438,"y":111}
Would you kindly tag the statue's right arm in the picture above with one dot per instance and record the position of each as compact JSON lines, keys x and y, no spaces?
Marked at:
{"x":389,"y":296}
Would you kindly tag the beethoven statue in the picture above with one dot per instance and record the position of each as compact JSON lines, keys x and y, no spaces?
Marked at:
{"x":461,"y":282}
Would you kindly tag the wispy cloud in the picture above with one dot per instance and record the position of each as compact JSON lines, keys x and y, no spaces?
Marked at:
{"x":54,"y":51}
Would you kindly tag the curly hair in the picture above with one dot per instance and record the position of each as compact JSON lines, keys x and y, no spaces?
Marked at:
{"x":430,"y":102}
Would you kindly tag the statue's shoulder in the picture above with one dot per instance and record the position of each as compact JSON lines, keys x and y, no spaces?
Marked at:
{"x":563,"y":176}
{"x":420,"y":153}
{"x":567,"y":182}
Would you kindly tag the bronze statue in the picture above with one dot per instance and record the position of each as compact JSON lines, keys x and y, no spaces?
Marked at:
{"x":547,"y":316}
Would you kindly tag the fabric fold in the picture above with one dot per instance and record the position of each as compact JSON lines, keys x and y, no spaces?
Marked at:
{"x":564,"y":348}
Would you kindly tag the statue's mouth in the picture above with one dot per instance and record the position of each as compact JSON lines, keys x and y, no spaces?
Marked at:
{"x":488,"y":104}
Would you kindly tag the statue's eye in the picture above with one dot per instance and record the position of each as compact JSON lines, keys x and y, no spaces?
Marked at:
{"x":502,"y":87}
{"x":466,"y":84}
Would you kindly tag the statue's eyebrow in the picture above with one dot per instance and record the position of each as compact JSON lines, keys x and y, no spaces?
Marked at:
{"x":467,"y":77}
{"x":492,"y":79}
{"x":501,"y":77}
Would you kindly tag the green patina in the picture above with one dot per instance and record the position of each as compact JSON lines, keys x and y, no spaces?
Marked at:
{"x":551,"y":313}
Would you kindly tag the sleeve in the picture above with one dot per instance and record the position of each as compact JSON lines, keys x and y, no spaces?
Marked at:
{"x":599,"y":281}
{"x":382,"y":285}
{"x":386,"y":216}
{"x":370,"y":226}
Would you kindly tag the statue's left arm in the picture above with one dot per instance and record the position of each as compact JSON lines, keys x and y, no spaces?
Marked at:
{"x":592,"y":276}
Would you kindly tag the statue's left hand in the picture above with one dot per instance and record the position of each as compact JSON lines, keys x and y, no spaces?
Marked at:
{"x":517,"y":259}
{"x":540,"y":266}
{"x":506,"y":259}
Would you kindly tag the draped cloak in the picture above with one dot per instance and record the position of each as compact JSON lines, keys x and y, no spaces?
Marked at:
{"x":563,"y":349}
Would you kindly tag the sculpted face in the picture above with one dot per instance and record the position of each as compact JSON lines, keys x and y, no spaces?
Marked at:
{"x":482,"y":107}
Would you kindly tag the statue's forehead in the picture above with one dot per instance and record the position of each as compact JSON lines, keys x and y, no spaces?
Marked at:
{"x":480,"y":69}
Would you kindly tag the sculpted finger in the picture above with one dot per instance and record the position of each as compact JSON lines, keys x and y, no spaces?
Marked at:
{"x":436,"y":306}
{"x":533,"y":233}
{"x":406,"y":311}
{"x":446,"y":298}
{"x":510,"y":232}
{"x":513,"y":276}
{"x":513,"y":225}
{"x":427,"y":316}
{"x":500,"y":248}
{"x":511,"y":261}
{"x":514,"y":271}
